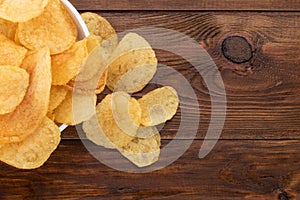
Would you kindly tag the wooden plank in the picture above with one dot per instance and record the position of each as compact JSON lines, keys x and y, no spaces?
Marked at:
{"x":262,"y":94}
{"x":290,"y":5}
{"x":237,"y":169}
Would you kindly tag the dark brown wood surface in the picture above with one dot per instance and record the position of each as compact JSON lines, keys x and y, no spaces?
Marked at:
{"x":257,"y":156}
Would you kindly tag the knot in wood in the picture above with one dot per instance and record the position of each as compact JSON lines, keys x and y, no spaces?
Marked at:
{"x":237,"y":49}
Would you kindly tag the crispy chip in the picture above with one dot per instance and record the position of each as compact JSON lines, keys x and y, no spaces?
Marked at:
{"x":54,"y":28}
{"x":107,"y":118}
{"x":66,"y":65}
{"x":132,"y":71}
{"x":8,"y":28}
{"x":13,"y":86}
{"x":21,"y":10}
{"x":88,"y":87}
{"x":92,"y":42}
{"x":102,"y":29}
{"x":11,"y":53}
{"x":25,"y":119}
{"x":142,"y":152}
{"x":132,"y":65}
{"x":84,"y":108}
{"x":94,"y":66}
{"x":95,"y":134}
{"x":158,"y":106}
{"x":146,"y":132}
{"x":35,"y":150}
{"x":57,"y":95}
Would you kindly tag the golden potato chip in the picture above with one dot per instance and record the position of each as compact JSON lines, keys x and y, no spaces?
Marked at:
{"x":54,"y":28}
{"x":57,"y":95}
{"x":100,"y":27}
{"x":131,"y":69}
{"x":66,"y":65}
{"x":95,"y":134}
{"x":130,"y":42}
{"x":13,"y":86}
{"x":75,"y":109}
{"x":8,"y":29}
{"x":158,"y":106}
{"x":92,"y":42}
{"x":142,"y":152}
{"x":11,"y":53}
{"x":88,"y":87}
{"x":146,"y":132}
{"x":121,"y":102}
{"x":107,"y":118}
{"x":35,"y":150}
{"x":21,"y":10}
{"x":94,"y":66}
{"x":25,"y":119}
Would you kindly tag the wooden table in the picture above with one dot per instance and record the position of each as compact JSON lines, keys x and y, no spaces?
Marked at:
{"x":258,"y":154}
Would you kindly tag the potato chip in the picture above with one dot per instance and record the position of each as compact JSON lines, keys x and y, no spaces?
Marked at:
{"x":92,"y":42}
{"x":146,"y":132}
{"x":95,"y":134}
{"x":121,"y":102}
{"x":107,"y":119}
{"x":21,"y":10}
{"x":35,"y":150}
{"x":26,"y":118}
{"x":11,"y":53}
{"x":158,"y":106}
{"x":13,"y":86}
{"x":100,"y":27}
{"x":75,"y":109}
{"x":66,"y":65}
{"x":94,"y":66}
{"x":57,"y":95}
{"x":132,"y":69}
{"x":54,"y":28}
{"x":142,"y":152}
{"x":88,"y":87}
{"x":130,"y":42}
{"x":8,"y":29}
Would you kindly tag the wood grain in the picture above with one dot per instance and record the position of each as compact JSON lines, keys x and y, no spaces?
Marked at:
{"x":262,"y":94}
{"x":237,"y":169}
{"x":178,"y":5}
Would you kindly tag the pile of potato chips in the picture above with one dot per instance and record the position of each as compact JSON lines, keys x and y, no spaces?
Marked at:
{"x":120,"y":121}
{"x":45,"y":70}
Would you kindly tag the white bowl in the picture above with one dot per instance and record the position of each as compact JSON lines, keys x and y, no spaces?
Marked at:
{"x":83,"y":31}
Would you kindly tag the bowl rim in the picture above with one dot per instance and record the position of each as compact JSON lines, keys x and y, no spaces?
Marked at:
{"x":82,"y":29}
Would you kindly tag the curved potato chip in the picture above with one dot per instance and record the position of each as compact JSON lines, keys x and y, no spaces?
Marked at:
{"x":146,"y":132}
{"x":88,"y":87}
{"x":13,"y":86}
{"x":106,"y":119}
{"x":132,"y":71}
{"x":11,"y":53}
{"x":95,"y":134}
{"x":158,"y":106}
{"x":130,"y":42}
{"x":35,"y":150}
{"x":92,"y":42}
{"x":54,"y":28}
{"x":26,"y":118}
{"x":66,"y":65}
{"x":8,"y":29}
{"x":142,"y":152}
{"x":21,"y":10}
{"x":57,"y":95}
{"x":82,"y":111}
{"x":102,"y":29}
